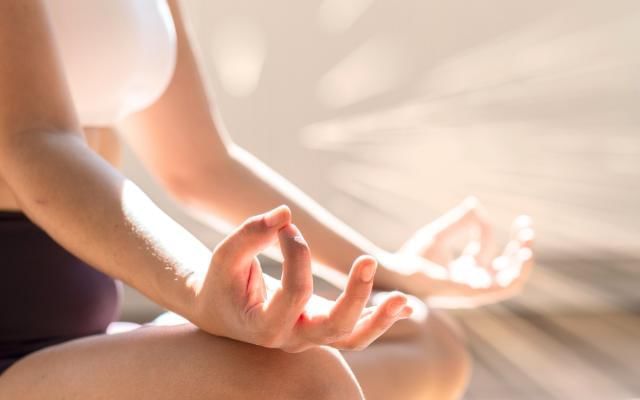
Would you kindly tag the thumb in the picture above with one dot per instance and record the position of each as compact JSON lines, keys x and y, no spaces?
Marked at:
{"x":254,"y":235}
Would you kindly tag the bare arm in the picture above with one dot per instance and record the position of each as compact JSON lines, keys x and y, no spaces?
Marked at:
{"x":182,"y":142}
{"x":104,"y":219}
{"x":79,"y":199}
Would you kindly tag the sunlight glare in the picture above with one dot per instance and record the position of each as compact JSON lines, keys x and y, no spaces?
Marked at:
{"x":370,"y":70}
{"x":238,"y":50}
{"x":337,"y":16}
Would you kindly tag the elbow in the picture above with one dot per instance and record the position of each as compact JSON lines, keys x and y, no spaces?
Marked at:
{"x":34,"y":148}
{"x":179,"y":186}
{"x":191,"y":184}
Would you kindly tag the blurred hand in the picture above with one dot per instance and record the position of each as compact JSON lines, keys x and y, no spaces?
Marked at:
{"x":235,"y":300}
{"x":477,"y":275}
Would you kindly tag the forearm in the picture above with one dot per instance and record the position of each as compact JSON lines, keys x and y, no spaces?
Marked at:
{"x":245,"y":186}
{"x":179,"y":141}
{"x":101,"y":217}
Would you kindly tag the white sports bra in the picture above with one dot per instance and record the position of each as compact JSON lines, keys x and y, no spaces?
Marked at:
{"x":118,"y":55}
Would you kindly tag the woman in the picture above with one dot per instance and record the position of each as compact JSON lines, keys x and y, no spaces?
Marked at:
{"x":72,"y":224}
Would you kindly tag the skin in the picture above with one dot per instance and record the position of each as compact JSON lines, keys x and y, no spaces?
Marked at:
{"x":62,"y":177}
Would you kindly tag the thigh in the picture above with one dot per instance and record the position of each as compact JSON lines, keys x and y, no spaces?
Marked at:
{"x":420,"y":360}
{"x":177,"y":362}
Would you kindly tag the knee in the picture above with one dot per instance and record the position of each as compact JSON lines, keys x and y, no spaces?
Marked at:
{"x":452,"y":356}
{"x":322,"y":373}
{"x":257,"y":372}
{"x":458,"y":361}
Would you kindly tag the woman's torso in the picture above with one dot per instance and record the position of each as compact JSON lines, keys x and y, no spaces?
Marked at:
{"x":118,"y":56}
{"x":47,"y":295}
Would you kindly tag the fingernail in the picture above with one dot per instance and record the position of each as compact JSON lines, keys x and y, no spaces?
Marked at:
{"x":294,"y":233}
{"x":368,"y":271}
{"x":275,"y":216}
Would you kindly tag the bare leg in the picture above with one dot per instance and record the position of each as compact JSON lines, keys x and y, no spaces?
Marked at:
{"x":427,"y":361}
{"x":178,"y":362}
{"x":412,"y":360}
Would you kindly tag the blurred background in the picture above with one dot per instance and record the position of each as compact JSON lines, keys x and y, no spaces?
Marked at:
{"x":390,"y":112}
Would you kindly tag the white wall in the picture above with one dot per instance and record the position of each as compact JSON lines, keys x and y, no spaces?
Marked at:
{"x":390,"y":112}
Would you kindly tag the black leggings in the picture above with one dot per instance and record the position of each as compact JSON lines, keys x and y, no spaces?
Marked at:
{"x":47,"y":296}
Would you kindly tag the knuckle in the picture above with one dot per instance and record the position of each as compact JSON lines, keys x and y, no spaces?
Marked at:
{"x":360,"y":296}
{"x":336,"y":331}
{"x":299,"y":293}
{"x":253,"y":225}
{"x":299,"y":287}
{"x":270,"y":340}
{"x":270,"y":333}
{"x":220,"y":254}
{"x":325,"y":340}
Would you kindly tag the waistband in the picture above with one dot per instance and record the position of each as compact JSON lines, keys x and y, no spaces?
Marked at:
{"x":6,"y":215}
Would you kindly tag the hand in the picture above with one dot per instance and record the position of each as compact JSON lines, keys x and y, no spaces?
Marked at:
{"x":235,"y":300}
{"x":431,"y":270}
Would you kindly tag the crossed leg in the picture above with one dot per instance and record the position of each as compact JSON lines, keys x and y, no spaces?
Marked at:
{"x":166,"y":362}
{"x":418,"y":361}
{"x":412,"y":361}
{"x":178,"y":362}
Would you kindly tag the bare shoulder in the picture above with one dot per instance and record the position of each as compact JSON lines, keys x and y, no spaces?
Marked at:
{"x":33,"y":92}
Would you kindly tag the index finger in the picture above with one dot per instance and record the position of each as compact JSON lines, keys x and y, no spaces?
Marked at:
{"x":253,"y":236}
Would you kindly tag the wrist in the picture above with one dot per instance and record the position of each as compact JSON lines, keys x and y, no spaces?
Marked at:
{"x":177,"y":290}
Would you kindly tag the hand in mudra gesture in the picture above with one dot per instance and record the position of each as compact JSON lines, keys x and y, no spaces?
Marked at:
{"x":236,"y":300}
{"x":432,"y":269}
